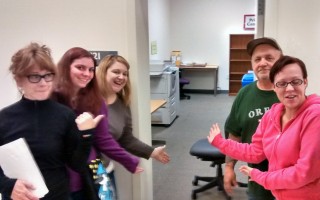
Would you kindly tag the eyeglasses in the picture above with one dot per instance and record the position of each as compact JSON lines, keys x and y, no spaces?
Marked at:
{"x":36,"y":78}
{"x":293,"y":83}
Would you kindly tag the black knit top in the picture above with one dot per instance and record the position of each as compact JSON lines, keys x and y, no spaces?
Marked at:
{"x":50,"y":130}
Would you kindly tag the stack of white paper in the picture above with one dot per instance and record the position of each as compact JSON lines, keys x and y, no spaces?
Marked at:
{"x":17,"y":162}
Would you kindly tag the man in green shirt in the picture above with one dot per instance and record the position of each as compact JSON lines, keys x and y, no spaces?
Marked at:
{"x":251,"y":103}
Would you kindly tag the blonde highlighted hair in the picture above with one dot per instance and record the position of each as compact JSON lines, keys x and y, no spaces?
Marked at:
{"x":102,"y":69}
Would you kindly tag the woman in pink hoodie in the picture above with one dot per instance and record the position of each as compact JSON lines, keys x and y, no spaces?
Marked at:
{"x":288,"y":136}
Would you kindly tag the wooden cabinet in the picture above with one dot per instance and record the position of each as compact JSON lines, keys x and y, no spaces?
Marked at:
{"x":239,"y":60}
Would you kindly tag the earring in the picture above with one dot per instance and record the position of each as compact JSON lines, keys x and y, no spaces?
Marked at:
{"x":20,"y":90}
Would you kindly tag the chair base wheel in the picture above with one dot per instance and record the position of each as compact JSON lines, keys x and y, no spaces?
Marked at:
{"x":201,"y":149}
{"x":194,"y":195}
{"x":195,"y":182}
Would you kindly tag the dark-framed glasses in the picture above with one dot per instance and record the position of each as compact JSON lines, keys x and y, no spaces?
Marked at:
{"x":36,"y":78}
{"x":293,"y":83}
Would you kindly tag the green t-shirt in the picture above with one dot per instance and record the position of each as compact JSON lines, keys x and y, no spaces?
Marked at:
{"x":247,"y":110}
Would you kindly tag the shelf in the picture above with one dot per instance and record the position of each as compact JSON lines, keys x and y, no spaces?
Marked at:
{"x":235,"y":81}
{"x":239,"y":60}
{"x":241,"y":73}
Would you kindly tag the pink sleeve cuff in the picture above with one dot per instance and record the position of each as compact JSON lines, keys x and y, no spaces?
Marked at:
{"x":217,"y":140}
{"x":254,"y":173}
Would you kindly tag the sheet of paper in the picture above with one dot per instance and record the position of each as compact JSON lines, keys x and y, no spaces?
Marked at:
{"x":16,"y":161}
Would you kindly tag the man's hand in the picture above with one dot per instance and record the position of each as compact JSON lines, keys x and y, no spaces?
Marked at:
{"x":214,"y":131}
{"x":22,"y":190}
{"x":229,"y":180}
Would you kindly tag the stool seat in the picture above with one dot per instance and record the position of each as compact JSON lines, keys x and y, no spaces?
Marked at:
{"x":205,"y":151}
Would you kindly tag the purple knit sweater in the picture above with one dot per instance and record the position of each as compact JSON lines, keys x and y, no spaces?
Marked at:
{"x":104,"y":143}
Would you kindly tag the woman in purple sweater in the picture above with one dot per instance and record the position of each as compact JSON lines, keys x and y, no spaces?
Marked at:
{"x":77,"y":88}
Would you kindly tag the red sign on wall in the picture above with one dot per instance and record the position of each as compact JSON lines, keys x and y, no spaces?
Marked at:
{"x":249,"y":22}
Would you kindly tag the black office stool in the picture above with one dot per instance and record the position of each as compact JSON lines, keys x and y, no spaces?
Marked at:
{"x":206,"y":152}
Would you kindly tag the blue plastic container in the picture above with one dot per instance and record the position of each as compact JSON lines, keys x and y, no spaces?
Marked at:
{"x":246,"y":79}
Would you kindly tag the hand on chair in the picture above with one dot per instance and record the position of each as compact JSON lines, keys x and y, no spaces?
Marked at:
{"x":214,"y":131}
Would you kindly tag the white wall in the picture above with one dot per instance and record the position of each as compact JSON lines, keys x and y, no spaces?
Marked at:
{"x":120,"y":25}
{"x":296,"y":26}
{"x":137,"y":35}
{"x":61,"y":25}
{"x":200,"y":29}
{"x":159,"y":28}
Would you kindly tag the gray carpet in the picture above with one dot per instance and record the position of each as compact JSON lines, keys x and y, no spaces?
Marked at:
{"x":174,"y":180}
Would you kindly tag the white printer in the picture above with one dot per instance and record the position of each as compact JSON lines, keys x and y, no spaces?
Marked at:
{"x":164,"y":84}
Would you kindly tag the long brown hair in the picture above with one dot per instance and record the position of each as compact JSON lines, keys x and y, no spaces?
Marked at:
{"x":87,"y":99}
{"x":104,"y":65}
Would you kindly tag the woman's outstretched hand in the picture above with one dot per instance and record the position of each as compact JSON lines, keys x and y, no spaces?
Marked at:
{"x":246,"y":170}
{"x":214,"y":131}
{"x":86,"y":121}
{"x":160,"y":154}
{"x":138,"y":170}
